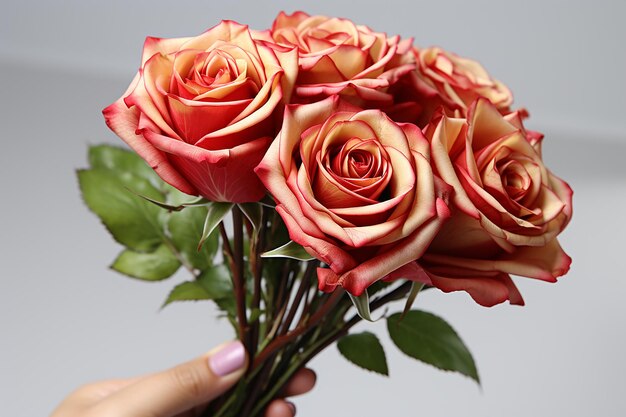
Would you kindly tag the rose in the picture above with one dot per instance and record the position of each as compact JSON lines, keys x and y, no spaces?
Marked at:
{"x":459,"y":81}
{"x":340,"y":57}
{"x":356,"y":190}
{"x":507,"y":207}
{"x":201,"y":110}
{"x":444,"y":78}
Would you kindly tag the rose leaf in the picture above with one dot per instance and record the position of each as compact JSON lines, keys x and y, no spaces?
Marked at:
{"x":154,"y":266}
{"x":215,"y":214}
{"x":430,"y":339}
{"x":289,"y":250}
{"x":364,"y":350}
{"x":362,"y":305}
{"x":187,"y":291}
{"x":132,"y":221}
{"x":121,"y":161}
{"x":185,"y":229}
{"x":213,"y":284}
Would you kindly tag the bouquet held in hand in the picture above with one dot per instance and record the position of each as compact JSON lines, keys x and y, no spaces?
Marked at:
{"x":309,"y":174}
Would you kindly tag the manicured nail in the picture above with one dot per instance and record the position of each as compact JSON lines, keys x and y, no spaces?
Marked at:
{"x":292,"y":406}
{"x":228,"y":359}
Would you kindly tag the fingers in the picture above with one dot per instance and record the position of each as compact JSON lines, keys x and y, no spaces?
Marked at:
{"x":280,"y":408}
{"x":178,"y":389}
{"x":301,"y":383}
{"x":89,"y":394}
{"x":185,"y":388}
{"x":96,"y":391}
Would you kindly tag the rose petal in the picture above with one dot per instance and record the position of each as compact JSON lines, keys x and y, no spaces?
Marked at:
{"x":486,"y":291}
{"x":365,"y":274}
{"x":544,"y":263}
{"x":123,"y":121}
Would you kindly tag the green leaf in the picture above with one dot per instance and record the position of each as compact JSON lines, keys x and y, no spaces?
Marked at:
{"x":217,"y":282}
{"x":121,"y":160}
{"x":213,"y":284}
{"x":416,"y":287}
{"x":289,"y":250}
{"x":187,"y":291}
{"x":219,"y":286}
{"x":124,"y":161}
{"x":255,"y":314}
{"x":364,"y":350}
{"x":200,"y":201}
{"x":216,"y":213}
{"x":132,"y":221}
{"x":430,"y":339}
{"x":379,"y":286}
{"x":185,"y":229}
{"x":153,"y":266}
{"x":362,"y":305}
{"x":228,"y":306}
{"x":254,"y":213}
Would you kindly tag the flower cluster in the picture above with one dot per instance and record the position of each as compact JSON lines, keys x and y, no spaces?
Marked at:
{"x":385,"y":160}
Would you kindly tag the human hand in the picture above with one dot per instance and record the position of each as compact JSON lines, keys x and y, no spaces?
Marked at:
{"x":182,"y":391}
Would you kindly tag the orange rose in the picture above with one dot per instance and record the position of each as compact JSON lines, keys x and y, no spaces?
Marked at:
{"x":444,"y":78}
{"x":356,"y":190}
{"x":507,"y":207}
{"x":340,"y":57}
{"x":202,"y":110}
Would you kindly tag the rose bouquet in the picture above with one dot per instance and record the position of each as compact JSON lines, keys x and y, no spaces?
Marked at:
{"x":312,"y":173}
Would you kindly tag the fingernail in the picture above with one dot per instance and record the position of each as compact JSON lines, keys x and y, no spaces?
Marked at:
{"x":228,"y":359}
{"x":292,"y":406}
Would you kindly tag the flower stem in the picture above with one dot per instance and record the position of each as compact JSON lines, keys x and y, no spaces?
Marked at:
{"x":239,"y":283}
{"x":281,"y":341}
{"x":305,"y":283}
{"x":228,"y":251}
{"x":256,"y":262}
{"x":317,"y":345}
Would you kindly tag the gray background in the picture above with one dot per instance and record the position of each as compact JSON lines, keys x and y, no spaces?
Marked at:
{"x":66,"y":319}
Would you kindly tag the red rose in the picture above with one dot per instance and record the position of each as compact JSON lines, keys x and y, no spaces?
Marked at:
{"x":507,"y":207}
{"x":201,"y":111}
{"x":356,"y":190}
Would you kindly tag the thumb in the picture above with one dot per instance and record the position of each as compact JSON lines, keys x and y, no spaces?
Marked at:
{"x":181,"y":388}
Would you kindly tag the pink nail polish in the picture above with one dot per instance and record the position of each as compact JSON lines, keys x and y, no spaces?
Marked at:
{"x":228,"y":359}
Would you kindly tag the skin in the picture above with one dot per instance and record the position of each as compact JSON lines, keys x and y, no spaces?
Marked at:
{"x":182,"y":391}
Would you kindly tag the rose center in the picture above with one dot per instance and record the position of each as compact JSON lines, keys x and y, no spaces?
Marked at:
{"x":356,"y":159}
{"x":360,"y":163}
{"x":355,"y":172}
{"x":213,"y":70}
{"x":515,"y":179}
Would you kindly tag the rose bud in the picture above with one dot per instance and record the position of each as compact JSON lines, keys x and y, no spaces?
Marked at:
{"x":203,"y":110}
{"x":507,"y":207}
{"x":356,"y":190}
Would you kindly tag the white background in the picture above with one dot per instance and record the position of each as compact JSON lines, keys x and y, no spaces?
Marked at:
{"x":66,"y":319}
